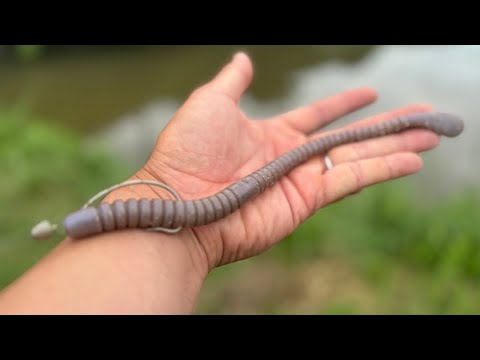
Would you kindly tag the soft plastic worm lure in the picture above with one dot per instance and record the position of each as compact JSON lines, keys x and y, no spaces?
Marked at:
{"x":173,"y":215}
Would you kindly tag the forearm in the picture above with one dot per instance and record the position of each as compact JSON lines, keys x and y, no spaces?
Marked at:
{"x":125,"y":272}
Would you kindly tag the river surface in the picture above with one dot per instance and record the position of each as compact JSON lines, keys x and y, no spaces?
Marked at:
{"x":448,"y":77}
{"x":122,"y":99}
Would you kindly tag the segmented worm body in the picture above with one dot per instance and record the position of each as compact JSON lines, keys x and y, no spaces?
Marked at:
{"x":151,"y":213}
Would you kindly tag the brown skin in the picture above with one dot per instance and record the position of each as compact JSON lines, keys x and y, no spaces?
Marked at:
{"x":208,"y":145}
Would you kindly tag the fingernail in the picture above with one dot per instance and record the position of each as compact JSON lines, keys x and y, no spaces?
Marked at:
{"x":239,"y":54}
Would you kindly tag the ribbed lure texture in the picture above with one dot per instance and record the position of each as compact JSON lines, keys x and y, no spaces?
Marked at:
{"x":145,"y":213}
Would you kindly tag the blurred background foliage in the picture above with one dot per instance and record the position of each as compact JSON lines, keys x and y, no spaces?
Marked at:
{"x":381,"y":251}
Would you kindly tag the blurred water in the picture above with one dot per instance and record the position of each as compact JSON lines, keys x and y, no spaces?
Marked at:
{"x":446,"y":76}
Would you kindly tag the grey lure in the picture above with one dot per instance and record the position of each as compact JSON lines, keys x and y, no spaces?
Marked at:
{"x":176,"y":214}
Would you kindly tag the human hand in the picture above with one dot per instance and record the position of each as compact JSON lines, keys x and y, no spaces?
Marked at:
{"x":210,"y":143}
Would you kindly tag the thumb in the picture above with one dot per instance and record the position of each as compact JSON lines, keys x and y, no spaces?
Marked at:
{"x":234,"y":78}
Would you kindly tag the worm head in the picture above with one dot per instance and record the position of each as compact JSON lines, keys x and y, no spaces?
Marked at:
{"x":449,"y":125}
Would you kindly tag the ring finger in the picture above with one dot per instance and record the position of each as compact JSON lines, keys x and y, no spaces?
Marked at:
{"x":413,"y":140}
{"x":417,"y":140}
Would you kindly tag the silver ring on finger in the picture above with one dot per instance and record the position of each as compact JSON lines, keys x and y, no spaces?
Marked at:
{"x":328,"y":162}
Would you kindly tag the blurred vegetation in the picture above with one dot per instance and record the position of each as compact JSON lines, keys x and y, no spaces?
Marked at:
{"x":46,"y":173}
{"x":90,"y":86}
{"x":26,"y":53}
{"x":376,"y":252}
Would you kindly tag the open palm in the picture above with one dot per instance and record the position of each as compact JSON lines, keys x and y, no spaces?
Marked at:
{"x":210,"y":143}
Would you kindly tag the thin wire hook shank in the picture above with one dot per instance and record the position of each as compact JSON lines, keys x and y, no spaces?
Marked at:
{"x":129,"y":183}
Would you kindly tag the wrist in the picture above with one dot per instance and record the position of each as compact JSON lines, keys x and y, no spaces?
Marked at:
{"x":180,"y":253}
{"x":205,"y":248}
{"x":163,"y":269}
{"x":125,"y":272}
{"x":200,"y":250}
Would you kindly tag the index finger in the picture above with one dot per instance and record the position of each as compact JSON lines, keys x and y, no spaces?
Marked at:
{"x":309,"y":118}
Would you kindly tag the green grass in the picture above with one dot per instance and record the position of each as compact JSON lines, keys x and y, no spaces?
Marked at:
{"x":384,"y":223}
{"x":46,"y":173}
{"x":396,"y":254}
